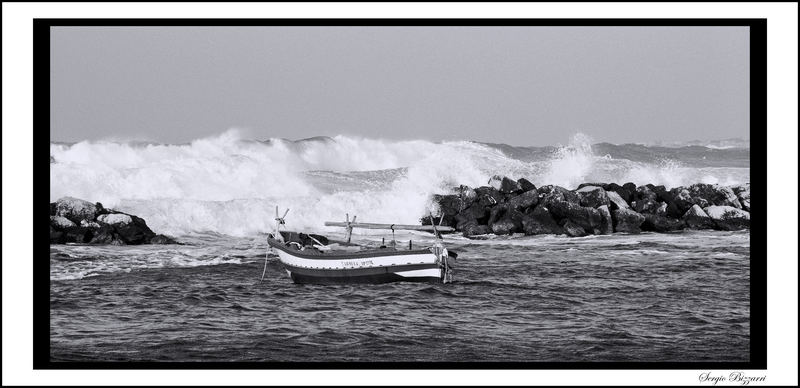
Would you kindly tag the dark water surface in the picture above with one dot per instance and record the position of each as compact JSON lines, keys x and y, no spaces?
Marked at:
{"x":649,"y":297}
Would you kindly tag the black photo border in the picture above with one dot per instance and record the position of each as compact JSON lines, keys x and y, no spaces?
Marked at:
{"x":758,"y":173}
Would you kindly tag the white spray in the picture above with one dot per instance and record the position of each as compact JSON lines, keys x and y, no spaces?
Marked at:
{"x":229,"y":185}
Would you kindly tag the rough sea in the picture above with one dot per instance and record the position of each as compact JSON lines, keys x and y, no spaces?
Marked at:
{"x":647,"y":297}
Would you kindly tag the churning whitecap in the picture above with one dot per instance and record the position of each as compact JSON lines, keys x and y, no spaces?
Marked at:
{"x":230,"y":185}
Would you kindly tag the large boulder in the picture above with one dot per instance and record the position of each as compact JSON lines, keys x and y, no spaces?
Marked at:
{"x":488,"y":196}
{"x":60,"y":222}
{"x":625,"y":191}
{"x":696,"y":218}
{"x":743,"y":195}
{"x":666,"y":203}
{"x":683,"y":200}
{"x":525,"y":184}
{"x":106,"y":234}
{"x":660,"y":223}
{"x":585,"y":217}
{"x":509,"y":223}
{"x":474,"y":214}
{"x":660,"y":191}
{"x":587,"y":184}
{"x":524,"y":200}
{"x":645,"y":206}
{"x":115,"y":218}
{"x":616,"y":201}
{"x":550,"y":193}
{"x":572,"y":229}
{"x":505,"y":220}
{"x":90,"y":224}
{"x":646,"y":192}
{"x":134,"y":232}
{"x":449,"y":206}
{"x":460,"y":220}
{"x":630,"y":187}
{"x":510,"y":186}
{"x":646,"y":199}
{"x":540,"y":221}
{"x":74,"y":209}
{"x":74,"y":220}
{"x":496,"y":213}
{"x":474,"y":229}
{"x":728,"y":217}
{"x":63,"y":230}
{"x":466,"y":193}
{"x":717,"y":194}
{"x":78,"y":234}
{"x":703,"y":195}
{"x":627,"y":221}
{"x":606,"y":222}
{"x":593,"y":196}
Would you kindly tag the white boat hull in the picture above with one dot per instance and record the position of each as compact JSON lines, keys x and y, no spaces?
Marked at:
{"x":375,"y":266}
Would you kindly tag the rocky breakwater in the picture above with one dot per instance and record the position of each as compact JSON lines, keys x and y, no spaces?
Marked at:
{"x":74,"y":220}
{"x":508,"y":206}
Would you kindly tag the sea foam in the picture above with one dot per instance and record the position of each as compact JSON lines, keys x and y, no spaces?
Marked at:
{"x":231,"y":185}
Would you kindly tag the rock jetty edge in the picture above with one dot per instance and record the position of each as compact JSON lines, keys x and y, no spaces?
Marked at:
{"x":74,"y":220}
{"x":506,"y":206}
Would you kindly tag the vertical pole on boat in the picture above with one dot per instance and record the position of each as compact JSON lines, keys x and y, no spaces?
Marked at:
{"x":278,"y":222}
{"x":349,"y":226}
{"x":440,"y":250}
{"x":394,"y":243}
{"x":433,"y":224}
{"x":437,"y":247}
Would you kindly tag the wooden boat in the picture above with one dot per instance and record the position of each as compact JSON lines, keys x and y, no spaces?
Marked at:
{"x":314,"y":259}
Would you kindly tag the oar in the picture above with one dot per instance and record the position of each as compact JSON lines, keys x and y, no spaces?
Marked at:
{"x":433,"y":224}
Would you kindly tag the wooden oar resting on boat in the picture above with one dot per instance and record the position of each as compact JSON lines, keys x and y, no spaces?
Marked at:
{"x":367,"y":225}
{"x":315,"y":263}
{"x":349,"y":225}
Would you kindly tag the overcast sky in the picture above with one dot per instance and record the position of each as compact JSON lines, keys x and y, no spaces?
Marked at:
{"x":515,"y":85}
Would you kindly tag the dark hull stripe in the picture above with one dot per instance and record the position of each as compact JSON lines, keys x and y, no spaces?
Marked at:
{"x":345,"y":255}
{"x":356,"y":272}
{"x":366,"y":279}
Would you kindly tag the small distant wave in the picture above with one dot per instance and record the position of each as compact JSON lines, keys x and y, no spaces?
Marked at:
{"x":88,"y":261}
{"x":731,"y":143}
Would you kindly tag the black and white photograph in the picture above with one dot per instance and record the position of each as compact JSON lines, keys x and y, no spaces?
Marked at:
{"x":384,"y":194}
{"x":401,"y":194}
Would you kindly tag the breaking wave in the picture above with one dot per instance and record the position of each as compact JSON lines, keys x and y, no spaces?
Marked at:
{"x":230,"y":185}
